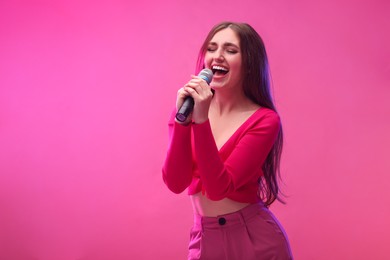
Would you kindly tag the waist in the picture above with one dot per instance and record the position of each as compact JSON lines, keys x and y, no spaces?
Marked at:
{"x":203,"y":206}
{"x":230,"y":219}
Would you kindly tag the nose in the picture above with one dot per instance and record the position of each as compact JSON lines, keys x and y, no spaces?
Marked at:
{"x":219,"y":56}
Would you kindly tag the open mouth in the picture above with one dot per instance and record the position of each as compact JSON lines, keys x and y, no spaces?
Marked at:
{"x":219,"y":70}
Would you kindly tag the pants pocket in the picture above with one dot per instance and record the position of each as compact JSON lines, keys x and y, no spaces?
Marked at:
{"x":268,"y":237}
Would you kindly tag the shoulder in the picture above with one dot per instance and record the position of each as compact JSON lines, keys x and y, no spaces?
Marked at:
{"x":265,"y":119}
{"x":266,"y":114}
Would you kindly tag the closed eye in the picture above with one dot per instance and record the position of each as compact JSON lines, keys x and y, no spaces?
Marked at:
{"x":232,"y":51}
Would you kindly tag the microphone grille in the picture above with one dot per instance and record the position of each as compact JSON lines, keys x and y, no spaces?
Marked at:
{"x":206,"y":74}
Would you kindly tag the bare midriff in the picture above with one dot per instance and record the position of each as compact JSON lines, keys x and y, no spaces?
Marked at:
{"x":209,"y":208}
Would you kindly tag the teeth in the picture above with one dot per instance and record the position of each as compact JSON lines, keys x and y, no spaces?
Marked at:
{"x":219,"y":68}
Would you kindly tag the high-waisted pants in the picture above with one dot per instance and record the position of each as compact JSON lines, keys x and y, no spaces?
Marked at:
{"x":248,"y":234}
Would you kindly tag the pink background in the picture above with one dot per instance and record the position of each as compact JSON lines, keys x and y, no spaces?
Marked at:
{"x":86,"y":88}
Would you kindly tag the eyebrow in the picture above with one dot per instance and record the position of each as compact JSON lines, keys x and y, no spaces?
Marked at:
{"x":226,"y":44}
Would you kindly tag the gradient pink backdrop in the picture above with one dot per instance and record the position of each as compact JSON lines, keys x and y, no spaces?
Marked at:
{"x":86,"y":88}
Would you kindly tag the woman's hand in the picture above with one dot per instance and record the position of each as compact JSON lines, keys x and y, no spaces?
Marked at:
{"x":200,"y":91}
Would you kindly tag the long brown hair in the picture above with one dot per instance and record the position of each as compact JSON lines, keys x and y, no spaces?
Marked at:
{"x":257,"y":87}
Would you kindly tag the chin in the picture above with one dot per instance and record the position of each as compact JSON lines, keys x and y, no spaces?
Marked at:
{"x":217,"y":85}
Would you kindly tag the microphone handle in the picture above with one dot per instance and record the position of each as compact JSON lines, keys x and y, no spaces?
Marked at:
{"x":188,"y":104}
{"x":185,"y":109}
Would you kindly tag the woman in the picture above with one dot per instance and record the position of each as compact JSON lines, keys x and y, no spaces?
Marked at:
{"x":227,"y":152}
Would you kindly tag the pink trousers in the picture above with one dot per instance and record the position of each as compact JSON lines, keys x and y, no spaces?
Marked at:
{"x":251,"y":233}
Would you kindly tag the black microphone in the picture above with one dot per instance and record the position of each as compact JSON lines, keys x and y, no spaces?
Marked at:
{"x":188,"y":104}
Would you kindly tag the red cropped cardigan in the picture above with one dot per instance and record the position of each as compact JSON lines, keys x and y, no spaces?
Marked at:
{"x":193,"y":160}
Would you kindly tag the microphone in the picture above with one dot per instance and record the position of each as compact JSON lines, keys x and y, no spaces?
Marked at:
{"x":188,"y":104}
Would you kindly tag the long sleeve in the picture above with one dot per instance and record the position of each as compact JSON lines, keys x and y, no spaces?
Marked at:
{"x":222,"y":178}
{"x":177,"y":168}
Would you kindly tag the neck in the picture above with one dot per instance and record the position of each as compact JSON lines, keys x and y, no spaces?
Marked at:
{"x":225,"y":101}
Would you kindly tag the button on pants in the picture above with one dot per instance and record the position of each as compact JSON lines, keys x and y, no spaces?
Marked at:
{"x":249,"y":234}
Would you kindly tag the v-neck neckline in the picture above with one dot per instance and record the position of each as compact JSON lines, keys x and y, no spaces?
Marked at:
{"x":239,"y":128}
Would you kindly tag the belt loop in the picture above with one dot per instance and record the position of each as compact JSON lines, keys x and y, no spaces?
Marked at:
{"x":201,"y":223}
{"x":242,"y":217}
{"x":198,"y":221}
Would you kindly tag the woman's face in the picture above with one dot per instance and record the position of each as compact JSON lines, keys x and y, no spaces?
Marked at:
{"x":223,"y":57}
